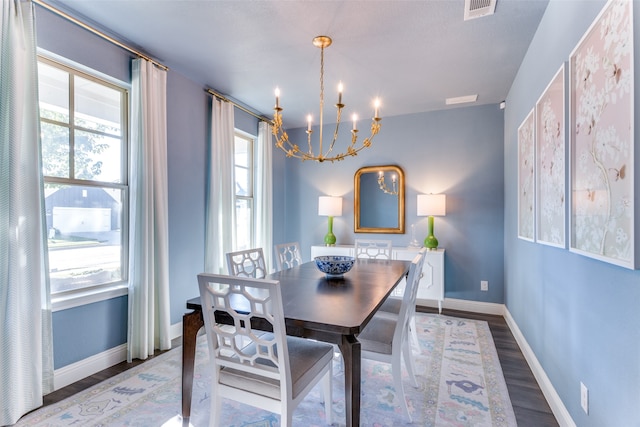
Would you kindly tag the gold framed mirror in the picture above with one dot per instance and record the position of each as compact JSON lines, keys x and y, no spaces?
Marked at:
{"x":379,"y":200}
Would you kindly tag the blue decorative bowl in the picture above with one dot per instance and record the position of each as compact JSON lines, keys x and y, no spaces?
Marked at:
{"x":334,"y":265}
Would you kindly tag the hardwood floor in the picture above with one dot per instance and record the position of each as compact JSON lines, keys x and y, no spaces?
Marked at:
{"x":530,"y":407}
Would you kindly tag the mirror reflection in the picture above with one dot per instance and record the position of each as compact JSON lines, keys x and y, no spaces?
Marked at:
{"x":379,"y":200}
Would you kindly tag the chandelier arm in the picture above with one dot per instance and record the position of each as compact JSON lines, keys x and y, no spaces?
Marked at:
{"x":335,"y":132}
{"x":309,"y":132}
{"x":352,"y":151}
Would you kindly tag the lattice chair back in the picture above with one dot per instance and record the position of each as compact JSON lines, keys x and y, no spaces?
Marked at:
{"x":247,"y":263}
{"x":239,"y":345}
{"x":252,"y":359}
{"x":287,"y":255}
{"x":373,"y":249}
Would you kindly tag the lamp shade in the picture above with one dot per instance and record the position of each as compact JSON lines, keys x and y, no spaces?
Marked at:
{"x":431,"y":205}
{"x":329,"y":206}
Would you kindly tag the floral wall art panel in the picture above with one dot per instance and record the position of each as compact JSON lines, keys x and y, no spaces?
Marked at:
{"x":602,"y":166}
{"x":550,"y":164}
{"x":526,"y":178}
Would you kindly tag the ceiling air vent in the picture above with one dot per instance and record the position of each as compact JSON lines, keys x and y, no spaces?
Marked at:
{"x":477,"y":8}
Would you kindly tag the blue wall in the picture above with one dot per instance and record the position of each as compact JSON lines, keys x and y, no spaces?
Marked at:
{"x":458,"y":152}
{"x":83,"y":331}
{"x":579,"y":315}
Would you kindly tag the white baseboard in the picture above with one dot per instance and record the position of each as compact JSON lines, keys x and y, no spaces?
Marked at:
{"x":86,"y":367}
{"x":466,"y":305}
{"x":176,"y":330}
{"x":557,"y":407}
{"x":76,"y":371}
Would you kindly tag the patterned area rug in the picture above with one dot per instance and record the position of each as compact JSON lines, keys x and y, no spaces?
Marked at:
{"x":459,"y":376}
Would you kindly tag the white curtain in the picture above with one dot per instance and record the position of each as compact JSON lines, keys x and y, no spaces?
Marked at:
{"x":264,"y":192}
{"x":220,"y":208}
{"x":149,"y":311}
{"x":26,"y":355}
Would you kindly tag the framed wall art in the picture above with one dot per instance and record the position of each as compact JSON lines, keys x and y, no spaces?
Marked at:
{"x":550,"y":164}
{"x":526,"y":178}
{"x":601,"y":133}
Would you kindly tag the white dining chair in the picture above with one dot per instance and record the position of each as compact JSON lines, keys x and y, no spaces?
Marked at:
{"x":272,"y":371}
{"x":247,"y":263}
{"x":373,"y":249}
{"x":287,"y":255}
{"x":385,"y":339}
{"x":392,"y":305}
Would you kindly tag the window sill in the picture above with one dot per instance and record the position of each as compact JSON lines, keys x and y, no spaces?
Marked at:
{"x":64,"y":302}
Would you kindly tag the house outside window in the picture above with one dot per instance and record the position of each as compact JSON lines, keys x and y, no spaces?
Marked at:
{"x":84,"y":136}
{"x":244,"y":237}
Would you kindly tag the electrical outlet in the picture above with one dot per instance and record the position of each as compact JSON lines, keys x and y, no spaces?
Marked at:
{"x":584,"y":398}
{"x":484,"y":285}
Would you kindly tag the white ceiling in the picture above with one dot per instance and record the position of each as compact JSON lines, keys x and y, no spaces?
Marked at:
{"x":412,"y":54}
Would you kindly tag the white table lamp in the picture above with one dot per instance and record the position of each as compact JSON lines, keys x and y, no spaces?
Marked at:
{"x":330,"y":206}
{"x":431,"y":205}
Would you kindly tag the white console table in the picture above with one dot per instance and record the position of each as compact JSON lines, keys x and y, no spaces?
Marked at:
{"x":432,"y":283}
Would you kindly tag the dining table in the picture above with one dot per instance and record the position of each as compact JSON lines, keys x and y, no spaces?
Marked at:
{"x":320,"y":307}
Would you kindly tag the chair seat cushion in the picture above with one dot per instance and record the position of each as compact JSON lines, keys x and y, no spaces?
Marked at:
{"x":306,"y":360}
{"x":377,"y":336}
{"x":391,"y":305}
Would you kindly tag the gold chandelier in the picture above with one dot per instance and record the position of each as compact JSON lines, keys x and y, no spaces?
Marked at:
{"x":383,"y":185}
{"x":293,"y":150}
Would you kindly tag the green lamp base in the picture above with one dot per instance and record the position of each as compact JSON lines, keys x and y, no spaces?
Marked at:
{"x":430,"y":242}
{"x":330,"y":238}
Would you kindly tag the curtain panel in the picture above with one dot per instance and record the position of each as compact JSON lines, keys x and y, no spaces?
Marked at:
{"x":264,"y":192}
{"x":220,"y":208}
{"x":149,"y":311}
{"x":26,"y":354}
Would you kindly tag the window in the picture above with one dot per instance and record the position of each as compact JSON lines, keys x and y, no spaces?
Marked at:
{"x":83,"y":123}
{"x":244,"y":192}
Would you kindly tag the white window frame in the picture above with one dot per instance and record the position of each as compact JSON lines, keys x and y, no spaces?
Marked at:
{"x":238,"y":134}
{"x":79,"y":297}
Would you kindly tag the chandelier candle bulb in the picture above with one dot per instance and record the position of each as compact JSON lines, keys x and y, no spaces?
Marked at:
{"x":355,"y":119}
{"x":377,"y":108}
{"x":340,"y":93}
{"x":309,"y":122}
{"x":277,"y":98}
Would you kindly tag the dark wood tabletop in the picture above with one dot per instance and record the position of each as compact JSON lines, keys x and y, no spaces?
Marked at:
{"x":337,"y":305}
{"x":331,"y":309}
